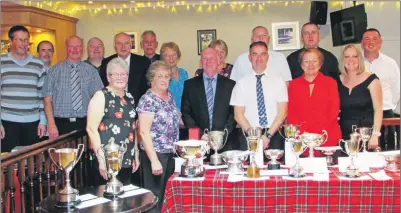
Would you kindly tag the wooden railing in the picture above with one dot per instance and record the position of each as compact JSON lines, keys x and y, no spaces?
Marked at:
{"x":390,"y":122}
{"x":28,"y":175}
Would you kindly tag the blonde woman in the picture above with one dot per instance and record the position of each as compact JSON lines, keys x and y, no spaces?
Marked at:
{"x":360,"y":96}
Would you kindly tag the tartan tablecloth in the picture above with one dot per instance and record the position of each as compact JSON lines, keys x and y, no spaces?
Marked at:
{"x":215,"y":194}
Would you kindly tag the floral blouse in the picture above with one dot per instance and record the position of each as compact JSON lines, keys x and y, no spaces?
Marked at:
{"x":177,"y":86}
{"x":226,"y":71}
{"x":165,"y":126}
{"x":118,"y":123}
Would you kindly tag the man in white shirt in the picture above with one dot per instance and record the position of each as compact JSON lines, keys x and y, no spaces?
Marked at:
{"x":260,"y":99}
{"x":389,"y":74}
{"x":277,"y":63}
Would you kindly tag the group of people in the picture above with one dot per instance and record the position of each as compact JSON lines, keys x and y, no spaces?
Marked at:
{"x":144,"y":101}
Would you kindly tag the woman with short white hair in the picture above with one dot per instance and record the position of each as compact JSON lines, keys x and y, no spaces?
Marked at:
{"x":111,"y":117}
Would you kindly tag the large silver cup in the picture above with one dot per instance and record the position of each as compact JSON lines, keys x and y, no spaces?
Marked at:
{"x":112,"y":158}
{"x":191,"y":150}
{"x":313,"y":140}
{"x":65,"y":159}
{"x":366,"y":134}
{"x":298,"y":147}
{"x":351,"y":149}
{"x":216,"y":143}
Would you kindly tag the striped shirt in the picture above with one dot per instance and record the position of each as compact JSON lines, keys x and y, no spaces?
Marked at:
{"x":58,"y":86}
{"x":21,"y":89}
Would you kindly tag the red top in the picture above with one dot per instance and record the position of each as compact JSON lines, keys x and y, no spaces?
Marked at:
{"x":315,"y":112}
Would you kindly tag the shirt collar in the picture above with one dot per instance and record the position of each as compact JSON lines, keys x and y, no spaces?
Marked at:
{"x":205,"y":77}
{"x":264,"y":72}
{"x":316,"y":80}
{"x":379,"y":57}
{"x":70,"y":63}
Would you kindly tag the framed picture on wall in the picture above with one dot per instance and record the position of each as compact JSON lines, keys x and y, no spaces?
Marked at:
{"x":204,"y":39}
{"x":134,"y":40}
{"x":285,"y":36}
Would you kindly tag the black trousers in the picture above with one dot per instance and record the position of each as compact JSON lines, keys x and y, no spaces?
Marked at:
{"x":19,"y":134}
{"x":64,"y":125}
{"x":157,"y":183}
{"x":387,"y":138}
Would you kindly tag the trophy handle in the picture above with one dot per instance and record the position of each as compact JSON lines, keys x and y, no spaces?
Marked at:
{"x":124,"y":146}
{"x":279,"y":131}
{"x":82,"y":148}
{"x":206,"y":131}
{"x":246,"y":138}
{"x":345,"y":146}
{"x":51,"y":158}
{"x":325,"y":136}
{"x":226,"y":131}
{"x":354,"y":128}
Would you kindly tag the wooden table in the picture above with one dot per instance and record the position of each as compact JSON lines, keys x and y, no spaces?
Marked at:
{"x":137,"y":203}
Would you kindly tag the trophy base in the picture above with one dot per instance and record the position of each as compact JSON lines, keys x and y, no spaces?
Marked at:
{"x":67,"y":205}
{"x":297,"y":175}
{"x":352,"y":173}
{"x":273,"y":166}
{"x":392,"y":167}
{"x":192,"y":171}
{"x":113,"y":195}
{"x":215,"y":161}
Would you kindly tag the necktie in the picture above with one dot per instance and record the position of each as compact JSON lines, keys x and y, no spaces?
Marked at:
{"x":210,"y":100}
{"x":76,"y":96}
{"x":261,"y":102}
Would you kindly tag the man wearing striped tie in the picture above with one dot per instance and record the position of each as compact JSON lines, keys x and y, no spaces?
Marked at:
{"x":68,"y":87}
{"x":206,"y":100}
{"x":260,"y":99}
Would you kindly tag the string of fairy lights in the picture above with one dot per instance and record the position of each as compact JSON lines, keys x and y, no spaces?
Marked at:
{"x":119,"y":8}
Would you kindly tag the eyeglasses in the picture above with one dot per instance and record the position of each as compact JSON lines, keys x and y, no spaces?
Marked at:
{"x":161,"y":77}
{"x":116,"y":75}
{"x":26,"y":40}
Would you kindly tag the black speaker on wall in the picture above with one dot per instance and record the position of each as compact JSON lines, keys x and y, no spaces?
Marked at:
{"x":318,"y":12}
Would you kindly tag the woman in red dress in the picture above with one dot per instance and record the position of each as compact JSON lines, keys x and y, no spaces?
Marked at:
{"x":313,"y":100}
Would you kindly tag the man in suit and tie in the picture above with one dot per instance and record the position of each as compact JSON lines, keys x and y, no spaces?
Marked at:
{"x":138,"y":66}
{"x":206,"y":100}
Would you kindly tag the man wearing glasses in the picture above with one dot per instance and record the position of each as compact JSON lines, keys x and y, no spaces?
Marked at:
{"x":68,"y":87}
{"x":23,"y":120}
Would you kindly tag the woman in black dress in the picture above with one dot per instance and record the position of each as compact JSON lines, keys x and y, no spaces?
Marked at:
{"x":360,"y":96}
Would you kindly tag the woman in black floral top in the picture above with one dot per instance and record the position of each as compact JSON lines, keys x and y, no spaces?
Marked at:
{"x":222,"y":50}
{"x":111,"y":117}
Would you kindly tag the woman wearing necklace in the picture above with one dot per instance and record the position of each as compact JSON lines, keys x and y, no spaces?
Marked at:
{"x":111,"y":117}
{"x":159,"y":121}
{"x":360,"y":96}
{"x":313,"y":100}
{"x":170,"y":53}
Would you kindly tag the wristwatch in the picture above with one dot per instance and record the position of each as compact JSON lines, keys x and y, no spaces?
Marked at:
{"x":269,"y":136}
{"x":377,"y":133}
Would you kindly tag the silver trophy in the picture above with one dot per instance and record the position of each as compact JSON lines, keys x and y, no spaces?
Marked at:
{"x":393,"y":160}
{"x":274,"y":155}
{"x":112,"y":158}
{"x":366,"y":134}
{"x":313,"y":140}
{"x":216,"y":143}
{"x":191,"y":150}
{"x":298,"y":147}
{"x":351,"y":149}
{"x":234,"y":160}
{"x":65,"y":159}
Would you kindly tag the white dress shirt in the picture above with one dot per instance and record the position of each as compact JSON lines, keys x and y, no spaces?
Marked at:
{"x":244,"y":94}
{"x":276,"y":64}
{"x":389,"y":75}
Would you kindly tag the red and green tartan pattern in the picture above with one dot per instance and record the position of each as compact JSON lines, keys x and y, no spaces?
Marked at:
{"x":215,"y":194}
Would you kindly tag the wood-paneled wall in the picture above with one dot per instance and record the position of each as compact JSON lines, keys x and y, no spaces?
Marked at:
{"x":62,"y":26}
